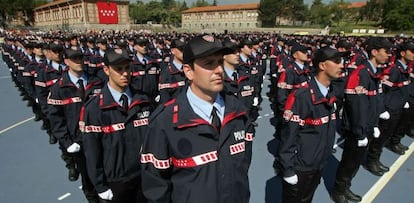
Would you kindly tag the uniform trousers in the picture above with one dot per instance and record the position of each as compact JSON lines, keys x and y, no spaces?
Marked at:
{"x":352,"y":156}
{"x":87,"y":186}
{"x":304,"y":190}
{"x":387,"y":129}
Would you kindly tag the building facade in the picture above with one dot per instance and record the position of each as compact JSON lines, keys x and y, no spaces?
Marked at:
{"x":236,"y":17}
{"x":83,"y":15}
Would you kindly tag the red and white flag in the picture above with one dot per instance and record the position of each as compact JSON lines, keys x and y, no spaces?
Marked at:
{"x":107,"y":12}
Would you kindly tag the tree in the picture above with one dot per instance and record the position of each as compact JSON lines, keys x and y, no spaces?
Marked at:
{"x":269,"y":10}
{"x":297,"y":10}
{"x":318,"y":13}
{"x":400,"y":16}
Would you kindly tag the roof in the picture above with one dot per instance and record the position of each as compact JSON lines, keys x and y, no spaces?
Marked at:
{"x":357,"y":4}
{"x":232,"y":7}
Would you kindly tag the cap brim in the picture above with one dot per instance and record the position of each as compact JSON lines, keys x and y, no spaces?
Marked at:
{"x":223,"y":50}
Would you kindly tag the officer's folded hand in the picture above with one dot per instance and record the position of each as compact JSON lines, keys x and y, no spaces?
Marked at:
{"x":293,"y":180}
{"x":107,"y":195}
{"x":385,"y":115}
{"x":363,"y":142}
{"x":255,"y":101}
{"x":157,"y":98}
{"x":377,"y":132}
{"x":406,"y":105}
{"x":75,"y":147}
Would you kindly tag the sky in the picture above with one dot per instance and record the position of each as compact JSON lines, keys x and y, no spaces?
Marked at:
{"x":223,"y":2}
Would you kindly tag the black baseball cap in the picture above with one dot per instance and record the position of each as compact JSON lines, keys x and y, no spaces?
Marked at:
{"x":57,"y":48}
{"x":406,"y":46}
{"x":378,"y":43}
{"x":178,"y":43}
{"x":201,"y":46}
{"x":140,"y":40}
{"x":325,"y":54}
{"x":116,"y":56}
{"x":73,"y":53}
{"x":298,"y":47}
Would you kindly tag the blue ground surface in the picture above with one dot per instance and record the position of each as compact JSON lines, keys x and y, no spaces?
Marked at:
{"x":31,"y":170}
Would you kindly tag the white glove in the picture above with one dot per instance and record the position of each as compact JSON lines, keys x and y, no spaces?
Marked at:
{"x":293,"y":180}
{"x":377,"y":132}
{"x":385,"y":115}
{"x":255,"y":101}
{"x":157,"y":98}
{"x":274,"y":75}
{"x":37,"y":100}
{"x":107,"y":195}
{"x":75,"y":147}
{"x":363,"y":143}
{"x":406,"y":105}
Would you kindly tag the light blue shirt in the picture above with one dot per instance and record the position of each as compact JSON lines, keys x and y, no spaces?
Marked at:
{"x":56,"y":66}
{"x":117,"y":95}
{"x":324,"y":90}
{"x":372,"y":66}
{"x":229,"y":72}
{"x":178,"y":65}
{"x":203,"y":108}
{"x":243,"y":58}
{"x":75,"y":79}
{"x":300,"y":65}
{"x":404,"y":66}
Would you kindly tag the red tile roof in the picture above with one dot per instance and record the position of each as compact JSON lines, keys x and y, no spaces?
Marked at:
{"x":357,"y":4}
{"x":232,"y":7}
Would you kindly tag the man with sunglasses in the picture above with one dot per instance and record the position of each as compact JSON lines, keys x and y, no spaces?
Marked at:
{"x":198,"y":146}
{"x":308,"y":131}
{"x":114,"y":123}
{"x":361,"y":112}
{"x":172,"y":78}
{"x":65,"y":101}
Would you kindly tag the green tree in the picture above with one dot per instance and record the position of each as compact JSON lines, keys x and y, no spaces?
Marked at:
{"x":318,"y":13}
{"x":400,"y":16}
{"x":269,"y":10}
{"x":297,"y":10}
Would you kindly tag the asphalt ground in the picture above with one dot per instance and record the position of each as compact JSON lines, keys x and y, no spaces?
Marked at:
{"x":31,"y":169}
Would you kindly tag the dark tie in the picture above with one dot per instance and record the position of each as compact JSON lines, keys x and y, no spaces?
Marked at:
{"x":234,"y":76}
{"x":81,"y":87}
{"x":124,"y":100}
{"x":60,"y":69}
{"x":216,"y":120}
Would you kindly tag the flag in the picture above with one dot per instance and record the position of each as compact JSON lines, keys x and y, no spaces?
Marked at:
{"x":107,"y":12}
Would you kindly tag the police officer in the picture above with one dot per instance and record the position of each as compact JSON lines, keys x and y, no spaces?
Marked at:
{"x":65,"y":101}
{"x":295,"y":76}
{"x":396,"y":81}
{"x":198,"y":147}
{"x":145,"y":69}
{"x":172,"y":78}
{"x":114,"y":123}
{"x":308,"y":132}
{"x":360,"y":121}
{"x":237,"y":82}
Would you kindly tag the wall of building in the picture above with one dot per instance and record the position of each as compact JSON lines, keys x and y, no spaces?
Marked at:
{"x":78,"y":15}
{"x":222,"y":20}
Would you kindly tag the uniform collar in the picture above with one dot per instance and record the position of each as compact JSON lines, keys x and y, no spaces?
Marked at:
{"x":317,"y":96}
{"x":203,"y":108}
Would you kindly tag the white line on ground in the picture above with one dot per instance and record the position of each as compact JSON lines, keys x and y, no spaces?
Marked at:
{"x":382,"y":182}
{"x":4,"y":77}
{"x":15,"y":125}
{"x":63,"y":196}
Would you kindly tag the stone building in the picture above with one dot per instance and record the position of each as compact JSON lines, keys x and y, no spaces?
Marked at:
{"x":83,"y":15}
{"x":235,"y":17}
